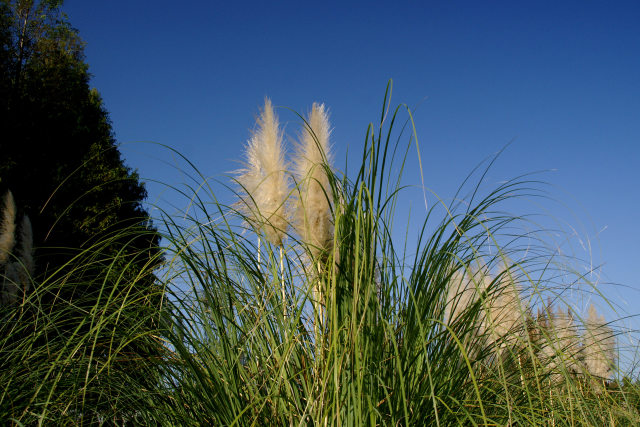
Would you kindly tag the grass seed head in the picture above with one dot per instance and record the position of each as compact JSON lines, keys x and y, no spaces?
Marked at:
{"x":264,"y":184}
{"x":599,"y":346}
{"x":18,"y":272}
{"x":312,"y":216}
{"x":7,"y":228}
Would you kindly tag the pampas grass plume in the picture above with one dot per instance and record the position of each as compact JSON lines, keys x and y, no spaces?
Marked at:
{"x":19,"y":271}
{"x":264,"y":184}
{"x":501,"y":320}
{"x":505,"y":311}
{"x":560,"y":348}
{"x":7,"y":228}
{"x":567,"y":336}
{"x":313,"y":205}
{"x":599,"y":346}
{"x":464,"y":289}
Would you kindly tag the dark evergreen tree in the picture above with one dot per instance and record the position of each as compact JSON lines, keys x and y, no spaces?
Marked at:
{"x":59,"y":157}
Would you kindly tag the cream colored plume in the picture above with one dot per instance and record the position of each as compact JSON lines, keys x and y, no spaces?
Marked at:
{"x":465,"y":288}
{"x":599,"y":346}
{"x":313,"y":220}
{"x":18,"y":273}
{"x":560,"y":345}
{"x":7,"y":228}
{"x":505,"y":311}
{"x":566,"y":334}
{"x":264,"y":185}
{"x":501,"y":318}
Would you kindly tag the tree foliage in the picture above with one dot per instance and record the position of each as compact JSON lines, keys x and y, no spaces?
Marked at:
{"x":96,"y":298}
{"x":58,"y":153}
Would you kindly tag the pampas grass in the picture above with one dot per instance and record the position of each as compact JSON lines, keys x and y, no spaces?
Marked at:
{"x":14,"y":278}
{"x":83,"y":347}
{"x":19,"y":270}
{"x":567,"y":339}
{"x":599,"y":346}
{"x":264,"y":185}
{"x":502,"y":315}
{"x":312,"y":206}
{"x":440,"y":334}
{"x":7,"y":227}
{"x":505,"y":311}
{"x":312,"y":218}
{"x":462,"y":292}
{"x":436,"y":336}
{"x":558,"y":343}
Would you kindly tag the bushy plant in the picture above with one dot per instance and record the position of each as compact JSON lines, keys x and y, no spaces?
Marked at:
{"x":296,"y":303}
{"x":343,"y":329}
{"x":83,"y":345}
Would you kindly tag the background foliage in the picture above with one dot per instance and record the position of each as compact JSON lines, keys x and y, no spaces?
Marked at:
{"x":95,"y":297}
{"x":59,"y":155}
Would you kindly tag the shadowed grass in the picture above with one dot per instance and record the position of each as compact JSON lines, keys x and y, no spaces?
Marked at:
{"x":87,"y":336}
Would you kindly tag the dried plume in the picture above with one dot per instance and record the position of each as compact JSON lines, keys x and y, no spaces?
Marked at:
{"x":18,"y":272}
{"x":566,"y":333}
{"x":501,"y":319}
{"x":559,"y":342}
{"x":264,"y":185}
{"x":505,"y":309}
{"x":465,"y":288}
{"x":313,"y":205}
{"x":548,"y":353}
{"x":599,"y":346}
{"x":7,"y":228}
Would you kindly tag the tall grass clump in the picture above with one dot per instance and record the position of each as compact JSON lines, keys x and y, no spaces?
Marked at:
{"x":82,"y":345}
{"x":376,"y":329}
{"x":8,"y":226}
{"x":298,"y":302}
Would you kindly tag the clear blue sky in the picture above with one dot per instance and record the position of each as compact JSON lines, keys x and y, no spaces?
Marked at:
{"x":561,"y":79}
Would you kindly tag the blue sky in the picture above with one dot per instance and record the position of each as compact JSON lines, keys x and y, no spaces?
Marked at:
{"x":559,"y":80}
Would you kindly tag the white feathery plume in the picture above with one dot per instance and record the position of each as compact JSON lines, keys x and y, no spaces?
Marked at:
{"x":7,"y":228}
{"x":566,"y":334}
{"x":18,"y":273}
{"x":464,"y":290}
{"x":264,"y":185}
{"x":548,"y":352}
{"x":599,"y":346}
{"x":466,"y":287}
{"x":560,"y":341}
{"x":313,"y":205}
{"x":503,"y":316}
{"x":505,"y":310}
{"x":312,"y":212}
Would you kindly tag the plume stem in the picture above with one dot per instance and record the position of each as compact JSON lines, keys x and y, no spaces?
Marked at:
{"x":282,"y":289}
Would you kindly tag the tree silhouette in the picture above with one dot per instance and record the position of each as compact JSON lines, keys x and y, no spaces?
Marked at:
{"x":95,"y":246}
